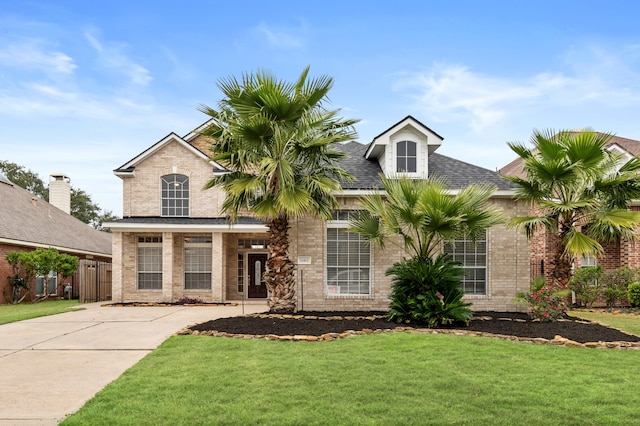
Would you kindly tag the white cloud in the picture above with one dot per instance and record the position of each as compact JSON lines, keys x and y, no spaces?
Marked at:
{"x":281,"y":38}
{"x":36,"y":55}
{"x":455,"y":94}
{"x":112,"y":57}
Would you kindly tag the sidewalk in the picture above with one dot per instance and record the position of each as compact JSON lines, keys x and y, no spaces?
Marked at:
{"x":50,"y":366}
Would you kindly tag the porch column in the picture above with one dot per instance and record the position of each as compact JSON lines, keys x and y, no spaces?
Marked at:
{"x":218,"y":290}
{"x":167,"y":267}
{"x":116,"y":271}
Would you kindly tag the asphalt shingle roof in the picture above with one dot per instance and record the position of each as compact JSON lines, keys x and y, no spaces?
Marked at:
{"x":31,"y":220}
{"x":457,"y":174}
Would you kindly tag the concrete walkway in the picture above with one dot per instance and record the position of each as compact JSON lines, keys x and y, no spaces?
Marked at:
{"x":51,"y":366}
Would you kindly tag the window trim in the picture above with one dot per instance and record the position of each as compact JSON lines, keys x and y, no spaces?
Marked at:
{"x":148,"y":242}
{"x":406,"y":157}
{"x":342,"y":223}
{"x":464,"y":240}
{"x":202,"y":241}
{"x":185,"y":202}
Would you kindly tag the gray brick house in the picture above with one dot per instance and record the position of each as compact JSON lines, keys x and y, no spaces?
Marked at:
{"x":173,"y":242}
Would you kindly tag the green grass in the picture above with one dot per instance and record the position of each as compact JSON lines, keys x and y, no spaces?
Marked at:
{"x":624,"y":321}
{"x":382,"y":379}
{"x":11,"y":313}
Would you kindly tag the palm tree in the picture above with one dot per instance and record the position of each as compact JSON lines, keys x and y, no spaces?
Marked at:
{"x":579,"y":193}
{"x":424,"y":214}
{"x":277,"y":140}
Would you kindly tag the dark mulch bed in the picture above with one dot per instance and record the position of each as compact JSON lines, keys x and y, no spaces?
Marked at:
{"x":499,"y":323}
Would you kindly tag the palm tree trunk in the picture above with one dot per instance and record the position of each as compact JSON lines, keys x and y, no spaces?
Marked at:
{"x":279,"y":274}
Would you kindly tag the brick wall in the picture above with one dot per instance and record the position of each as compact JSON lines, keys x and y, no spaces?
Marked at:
{"x":142,"y":192}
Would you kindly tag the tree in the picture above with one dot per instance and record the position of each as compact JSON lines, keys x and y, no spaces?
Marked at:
{"x":25,"y":179}
{"x":105,"y":216}
{"x":426,"y":287}
{"x":424,"y":214}
{"x":579,"y":193}
{"x":83,"y":207}
{"x":24,"y":270}
{"x":277,"y":140}
{"x":40,"y":262}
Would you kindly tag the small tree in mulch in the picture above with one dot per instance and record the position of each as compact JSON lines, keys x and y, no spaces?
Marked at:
{"x":40,"y":262}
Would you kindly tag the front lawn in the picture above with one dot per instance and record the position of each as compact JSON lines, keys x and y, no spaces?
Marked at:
{"x":629,"y":322}
{"x":379,"y":379}
{"x":10,"y":313}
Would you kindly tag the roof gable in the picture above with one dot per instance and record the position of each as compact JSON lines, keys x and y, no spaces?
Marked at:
{"x":378,"y":144}
{"x":129,"y":167}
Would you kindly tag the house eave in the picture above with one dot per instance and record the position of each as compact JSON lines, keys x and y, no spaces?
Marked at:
{"x":76,"y":251}
{"x":160,"y":227}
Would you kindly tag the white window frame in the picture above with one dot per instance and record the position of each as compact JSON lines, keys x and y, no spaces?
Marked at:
{"x":174,"y":195}
{"x":406,"y":157}
{"x":470,"y":251}
{"x":199,"y":244}
{"x":332,"y":286}
{"x":149,"y":267}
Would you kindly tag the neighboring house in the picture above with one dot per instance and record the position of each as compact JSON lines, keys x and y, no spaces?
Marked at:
{"x":28,"y":222}
{"x":616,"y":254}
{"x":173,"y":242}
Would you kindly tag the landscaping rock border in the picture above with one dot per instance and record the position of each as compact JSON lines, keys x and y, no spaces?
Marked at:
{"x":557,"y":340}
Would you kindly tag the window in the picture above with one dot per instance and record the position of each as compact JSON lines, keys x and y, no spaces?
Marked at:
{"x":51,"y":282}
{"x":588,"y":260}
{"x":348,"y":258}
{"x":197,"y":263}
{"x":240,"y":272}
{"x":175,"y":195}
{"x":406,"y":157}
{"x":473,"y":257}
{"x":150,"y":263}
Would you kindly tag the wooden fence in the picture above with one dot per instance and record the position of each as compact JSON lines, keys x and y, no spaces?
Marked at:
{"x":94,"y":281}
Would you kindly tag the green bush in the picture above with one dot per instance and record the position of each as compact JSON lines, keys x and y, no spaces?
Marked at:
{"x":634,"y":295}
{"x":545,"y":304}
{"x":585,"y":283}
{"x":616,"y":283}
{"x":427,"y":292}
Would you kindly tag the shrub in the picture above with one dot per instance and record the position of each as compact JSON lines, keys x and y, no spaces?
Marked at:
{"x":545,"y":304}
{"x":634,"y":295}
{"x":427,"y":292}
{"x":586,"y":285}
{"x":616,"y":283}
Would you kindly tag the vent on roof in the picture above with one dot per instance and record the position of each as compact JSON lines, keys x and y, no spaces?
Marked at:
{"x":3,"y":179}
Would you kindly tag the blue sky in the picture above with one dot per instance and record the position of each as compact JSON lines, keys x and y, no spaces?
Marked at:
{"x":87,"y":85}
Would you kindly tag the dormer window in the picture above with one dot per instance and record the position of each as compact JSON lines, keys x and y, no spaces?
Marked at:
{"x":406,"y":157}
{"x":175,"y":195}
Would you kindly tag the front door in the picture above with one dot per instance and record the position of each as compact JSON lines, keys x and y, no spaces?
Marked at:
{"x":257,"y":288}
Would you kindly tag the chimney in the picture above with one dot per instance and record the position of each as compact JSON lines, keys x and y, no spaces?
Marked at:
{"x":60,"y":191}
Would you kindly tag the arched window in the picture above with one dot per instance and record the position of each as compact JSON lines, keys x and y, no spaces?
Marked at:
{"x":175,"y":195}
{"x":406,"y":157}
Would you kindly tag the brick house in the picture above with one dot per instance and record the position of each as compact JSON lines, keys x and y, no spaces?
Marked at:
{"x":173,"y":242}
{"x":616,"y":254}
{"x":28,"y":222}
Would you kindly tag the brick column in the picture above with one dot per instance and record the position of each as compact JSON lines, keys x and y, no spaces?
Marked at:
{"x":218,"y":286}
{"x":167,"y":267}
{"x":116,"y":268}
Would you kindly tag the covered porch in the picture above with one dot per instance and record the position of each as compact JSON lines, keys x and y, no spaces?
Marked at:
{"x":187,"y":259}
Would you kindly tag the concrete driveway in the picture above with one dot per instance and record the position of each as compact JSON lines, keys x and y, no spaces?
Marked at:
{"x":51,"y":366}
